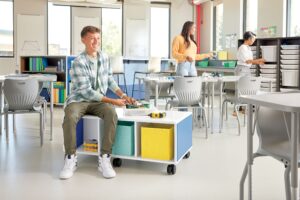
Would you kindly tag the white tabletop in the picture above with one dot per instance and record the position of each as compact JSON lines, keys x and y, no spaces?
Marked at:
{"x":39,"y":77}
{"x":172,"y":117}
{"x":288,"y":102}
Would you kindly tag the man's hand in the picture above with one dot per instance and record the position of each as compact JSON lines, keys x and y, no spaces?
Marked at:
{"x":119,"y":102}
{"x":129,"y":100}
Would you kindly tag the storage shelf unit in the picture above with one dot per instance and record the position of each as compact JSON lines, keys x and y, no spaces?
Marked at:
{"x":58,"y":65}
{"x":177,"y":143}
{"x":281,"y":61}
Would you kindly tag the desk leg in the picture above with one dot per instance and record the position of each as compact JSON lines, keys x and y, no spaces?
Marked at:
{"x":250,"y":149}
{"x":156,"y":94}
{"x":294,"y":153}
{"x":212,"y":108}
{"x":51,"y":110}
{"x":221,"y":108}
{"x":1,"y":106}
{"x":208,"y":105}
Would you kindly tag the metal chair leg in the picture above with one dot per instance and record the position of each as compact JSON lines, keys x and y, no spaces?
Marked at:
{"x":41,"y":127}
{"x":287,"y":182}
{"x":206,"y":123}
{"x":14,"y":124}
{"x":236,"y":109}
{"x":124,"y":78}
{"x":6,"y":127}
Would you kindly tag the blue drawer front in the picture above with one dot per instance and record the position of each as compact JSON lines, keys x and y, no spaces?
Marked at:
{"x":184,"y":136}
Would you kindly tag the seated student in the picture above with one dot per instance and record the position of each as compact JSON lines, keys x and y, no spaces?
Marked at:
{"x":184,"y":50}
{"x":91,"y":77}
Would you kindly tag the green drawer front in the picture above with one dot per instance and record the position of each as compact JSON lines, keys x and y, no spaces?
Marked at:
{"x":124,"y":140}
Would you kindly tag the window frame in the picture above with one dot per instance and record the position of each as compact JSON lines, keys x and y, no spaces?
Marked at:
{"x":215,"y":24}
{"x":13,"y":31}
{"x":161,"y":5}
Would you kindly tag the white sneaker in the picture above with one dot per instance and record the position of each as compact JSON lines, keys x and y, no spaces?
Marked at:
{"x":69,"y":168}
{"x":105,"y":166}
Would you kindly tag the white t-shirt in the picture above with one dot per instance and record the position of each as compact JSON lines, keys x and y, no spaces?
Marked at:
{"x":244,"y":53}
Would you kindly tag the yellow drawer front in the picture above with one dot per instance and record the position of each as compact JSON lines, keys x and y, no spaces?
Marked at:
{"x":157,"y":143}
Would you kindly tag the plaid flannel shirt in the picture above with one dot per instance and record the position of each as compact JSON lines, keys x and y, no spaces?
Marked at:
{"x":85,"y":87}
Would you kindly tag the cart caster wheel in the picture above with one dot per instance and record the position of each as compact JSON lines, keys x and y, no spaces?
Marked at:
{"x":187,"y":155}
{"x":171,"y":169}
{"x":117,"y":162}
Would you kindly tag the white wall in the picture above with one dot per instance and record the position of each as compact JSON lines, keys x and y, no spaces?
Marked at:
{"x":233,"y":23}
{"x":272,"y":13}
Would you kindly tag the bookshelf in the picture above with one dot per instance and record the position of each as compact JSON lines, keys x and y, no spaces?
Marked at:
{"x":57,"y":65}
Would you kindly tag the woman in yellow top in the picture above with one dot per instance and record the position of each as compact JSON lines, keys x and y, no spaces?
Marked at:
{"x":184,"y":50}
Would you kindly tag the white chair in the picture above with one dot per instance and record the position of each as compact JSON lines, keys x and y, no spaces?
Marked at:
{"x":153,"y":67}
{"x":188,"y":91}
{"x":246,"y":85}
{"x":274,"y":140}
{"x":22,"y":96}
{"x":117,"y":66}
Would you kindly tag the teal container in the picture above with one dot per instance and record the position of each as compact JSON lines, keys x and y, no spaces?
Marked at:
{"x":124,"y":139}
{"x":229,"y":64}
{"x":202,"y":63}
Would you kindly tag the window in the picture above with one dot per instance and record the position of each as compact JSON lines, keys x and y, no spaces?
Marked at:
{"x":6,"y":29}
{"x":251,"y":15}
{"x":219,"y":27}
{"x":58,"y":30}
{"x":159,"y":35}
{"x":112,"y":31}
{"x":294,"y":24}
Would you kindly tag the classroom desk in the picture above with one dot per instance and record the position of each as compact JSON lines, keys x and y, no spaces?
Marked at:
{"x":216,"y":69}
{"x":287,"y":102}
{"x":41,"y":78}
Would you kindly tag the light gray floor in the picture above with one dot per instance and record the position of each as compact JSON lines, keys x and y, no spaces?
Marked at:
{"x":213,"y":171}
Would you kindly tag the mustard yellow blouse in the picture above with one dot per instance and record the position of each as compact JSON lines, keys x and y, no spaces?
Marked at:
{"x":180,"y":52}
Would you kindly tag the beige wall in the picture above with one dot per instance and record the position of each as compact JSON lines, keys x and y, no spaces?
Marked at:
{"x":33,"y":7}
{"x":206,"y":30}
{"x":272,"y":13}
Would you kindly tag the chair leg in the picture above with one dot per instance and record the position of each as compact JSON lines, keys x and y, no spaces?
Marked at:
{"x":245,"y":117}
{"x":133,"y":83}
{"x":125,"y":85}
{"x":41,"y":127}
{"x":242,"y":181}
{"x":226,"y":110}
{"x":206,"y":123}
{"x":14,"y":124}
{"x":287,"y":182}
{"x":6,"y":127}
{"x":236,"y":109}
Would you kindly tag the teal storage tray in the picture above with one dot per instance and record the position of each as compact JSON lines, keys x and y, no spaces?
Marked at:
{"x":124,"y":139}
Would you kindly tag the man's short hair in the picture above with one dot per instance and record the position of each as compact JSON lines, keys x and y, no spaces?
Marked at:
{"x":89,"y":29}
{"x":248,"y":35}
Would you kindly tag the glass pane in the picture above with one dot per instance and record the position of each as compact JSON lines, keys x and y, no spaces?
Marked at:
{"x":112,"y":31}
{"x":295,"y":16}
{"x":159,"y":32}
{"x":6,"y":29}
{"x":251,"y":18}
{"x":58,"y":30}
{"x":219,"y":27}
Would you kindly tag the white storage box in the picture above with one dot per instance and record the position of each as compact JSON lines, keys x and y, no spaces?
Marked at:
{"x":290,"y":46}
{"x":290,"y":62}
{"x":290,"y":52}
{"x":268,"y":66}
{"x":253,"y":71}
{"x":268,"y":71}
{"x":253,"y":48}
{"x":289,"y":66}
{"x":268,"y":75}
{"x":290,"y":57}
{"x":290,"y":77}
{"x":269,"y":53}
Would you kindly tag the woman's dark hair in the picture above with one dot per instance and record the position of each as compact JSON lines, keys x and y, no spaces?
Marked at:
{"x":185,"y":33}
{"x":248,"y":35}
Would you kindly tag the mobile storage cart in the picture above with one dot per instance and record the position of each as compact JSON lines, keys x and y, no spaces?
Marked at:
{"x":163,"y":140}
